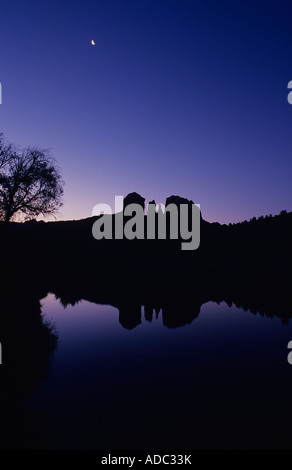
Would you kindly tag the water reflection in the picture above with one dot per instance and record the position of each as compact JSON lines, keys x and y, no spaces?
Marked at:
{"x":28,"y":342}
{"x":178,"y":300}
{"x":178,"y":365}
{"x":222,"y":381}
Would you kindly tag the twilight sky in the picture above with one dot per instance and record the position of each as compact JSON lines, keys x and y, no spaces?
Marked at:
{"x":177,"y":97}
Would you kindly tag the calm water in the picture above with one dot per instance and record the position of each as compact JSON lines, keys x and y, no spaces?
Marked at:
{"x":222,"y":381}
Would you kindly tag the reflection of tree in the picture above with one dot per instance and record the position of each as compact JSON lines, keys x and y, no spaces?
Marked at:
{"x":27,"y":344}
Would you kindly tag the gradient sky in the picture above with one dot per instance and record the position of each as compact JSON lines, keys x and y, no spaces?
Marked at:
{"x":177,"y":97}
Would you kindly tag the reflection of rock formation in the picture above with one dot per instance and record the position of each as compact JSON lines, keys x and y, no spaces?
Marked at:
{"x":130,"y":315}
{"x":179,"y":294}
{"x":175,"y":315}
{"x":148,"y":313}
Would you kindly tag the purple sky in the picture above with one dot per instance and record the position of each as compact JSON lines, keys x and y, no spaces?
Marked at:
{"x":177,"y":97}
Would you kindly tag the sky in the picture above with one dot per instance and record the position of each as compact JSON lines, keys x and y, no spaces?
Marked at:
{"x":179,"y":97}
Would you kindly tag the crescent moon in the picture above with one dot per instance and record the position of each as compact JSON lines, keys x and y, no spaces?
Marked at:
{"x":92,"y":42}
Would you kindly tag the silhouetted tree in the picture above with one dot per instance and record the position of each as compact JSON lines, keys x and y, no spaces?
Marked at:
{"x":6,"y":152}
{"x":30,"y":183}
